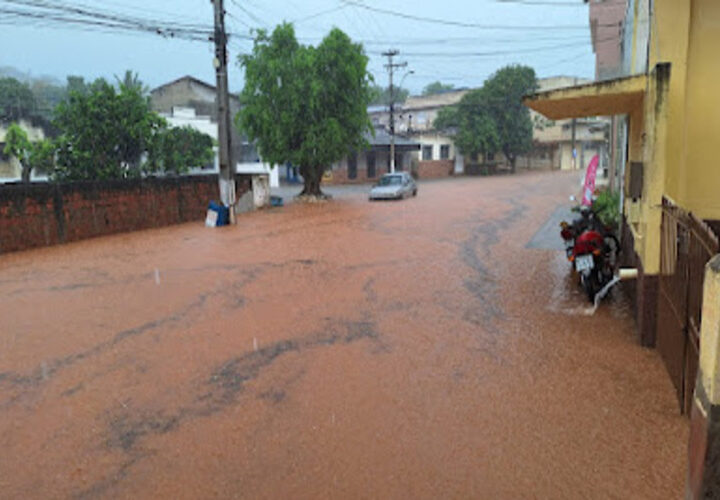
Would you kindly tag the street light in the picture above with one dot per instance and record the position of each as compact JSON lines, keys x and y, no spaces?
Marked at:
{"x":392,"y":121}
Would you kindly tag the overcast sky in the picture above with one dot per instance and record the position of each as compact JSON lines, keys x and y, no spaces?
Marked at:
{"x":550,"y":35}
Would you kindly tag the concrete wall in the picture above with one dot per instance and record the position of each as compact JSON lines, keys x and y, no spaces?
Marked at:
{"x":338,"y":174}
{"x":637,"y":34}
{"x":435,"y":141}
{"x":45,"y":214}
{"x":606,"y":29}
{"x":703,"y":479}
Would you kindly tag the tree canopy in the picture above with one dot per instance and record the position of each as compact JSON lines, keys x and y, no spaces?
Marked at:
{"x":99,"y":130}
{"x":17,"y":101}
{"x":302,"y":104}
{"x":110,"y":133}
{"x":504,"y":92}
{"x":104,"y":132}
{"x":437,"y":88}
{"x":493,"y":118}
{"x":176,"y":150}
{"x":474,"y":130}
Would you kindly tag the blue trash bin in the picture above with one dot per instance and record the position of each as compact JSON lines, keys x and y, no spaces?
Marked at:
{"x":222,"y":211}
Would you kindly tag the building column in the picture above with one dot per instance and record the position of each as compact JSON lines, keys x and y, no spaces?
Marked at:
{"x":703,"y":479}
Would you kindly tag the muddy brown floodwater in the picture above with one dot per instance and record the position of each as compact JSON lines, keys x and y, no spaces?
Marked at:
{"x":348,"y":350}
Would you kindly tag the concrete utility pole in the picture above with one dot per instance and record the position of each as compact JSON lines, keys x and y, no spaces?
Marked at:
{"x":227,"y":167}
{"x":391,"y":67}
{"x":613,"y":152}
{"x":573,"y":145}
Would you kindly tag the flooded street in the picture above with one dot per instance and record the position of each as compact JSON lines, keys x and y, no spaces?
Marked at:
{"x":415,"y":349}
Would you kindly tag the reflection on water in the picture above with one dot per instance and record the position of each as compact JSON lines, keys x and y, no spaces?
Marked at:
{"x":568,"y":297}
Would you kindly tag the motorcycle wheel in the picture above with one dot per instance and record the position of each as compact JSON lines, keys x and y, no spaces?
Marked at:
{"x":589,"y":283}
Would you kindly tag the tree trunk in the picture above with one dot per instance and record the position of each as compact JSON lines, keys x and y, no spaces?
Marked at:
{"x":512,"y":159}
{"x":25,"y":175}
{"x":312,"y":177}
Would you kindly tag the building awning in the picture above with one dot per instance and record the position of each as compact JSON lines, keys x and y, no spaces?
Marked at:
{"x":381,"y":140}
{"x":606,"y":98}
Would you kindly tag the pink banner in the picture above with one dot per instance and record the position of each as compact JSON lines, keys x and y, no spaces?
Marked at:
{"x":590,"y":177}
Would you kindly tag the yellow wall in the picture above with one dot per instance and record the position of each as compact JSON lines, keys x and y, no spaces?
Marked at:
{"x":680,"y":127}
{"x":669,"y":43}
{"x":701,"y":193}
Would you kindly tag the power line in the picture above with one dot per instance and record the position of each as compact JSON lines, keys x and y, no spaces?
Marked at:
{"x":318,"y":14}
{"x":492,"y":53}
{"x":248,"y":13}
{"x":548,"y":3}
{"x":63,"y":14}
{"x":463,"y":24}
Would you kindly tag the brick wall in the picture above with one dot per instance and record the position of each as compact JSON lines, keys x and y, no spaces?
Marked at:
{"x":340,"y":176}
{"x":44,"y":214}
{"x":434,"y":169}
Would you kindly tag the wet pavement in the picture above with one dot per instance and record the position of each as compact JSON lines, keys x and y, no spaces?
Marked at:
{"x":414,"y":349}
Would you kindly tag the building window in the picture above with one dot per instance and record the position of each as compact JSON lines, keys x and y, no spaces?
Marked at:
{"x":490,"y":156}
{"x":370,"y":158}
{"x":352,"y":166}
{"x":445,"y":152}
{"x":427,"y":153}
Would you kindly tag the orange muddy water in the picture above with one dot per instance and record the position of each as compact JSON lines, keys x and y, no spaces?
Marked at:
{"x":413,"y":349}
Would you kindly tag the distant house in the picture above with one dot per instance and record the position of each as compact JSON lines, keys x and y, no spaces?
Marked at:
{"x":438,"y":157}
{"x":187,"y":117}
{"x":10,"y":168}
{"x":553,"y":140}
{"x":175,"y":98}
{"x":414,"y":119}
{"x":373,"y":162}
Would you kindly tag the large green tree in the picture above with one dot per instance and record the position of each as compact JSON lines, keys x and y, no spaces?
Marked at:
{"x":493,"y":118}
{"x":104,"y":132}
{"x":437,"y":88}
{"x":305,"y":105}
{"x":473,"y":129}
{"x":16,"y":100}
{"x":503,"y":95}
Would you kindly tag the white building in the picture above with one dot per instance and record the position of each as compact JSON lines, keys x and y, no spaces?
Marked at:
{"x":186,"y":117}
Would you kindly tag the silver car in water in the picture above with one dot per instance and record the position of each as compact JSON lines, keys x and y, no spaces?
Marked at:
{"x":394,"y":187}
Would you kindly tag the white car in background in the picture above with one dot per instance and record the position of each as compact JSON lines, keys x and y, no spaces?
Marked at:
{"x":394,"y":187}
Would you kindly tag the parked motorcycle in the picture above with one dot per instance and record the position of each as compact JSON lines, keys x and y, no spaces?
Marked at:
{"x":593,"y":250}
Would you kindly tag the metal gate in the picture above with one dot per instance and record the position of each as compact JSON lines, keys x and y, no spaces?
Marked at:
{"x":687,"y":244}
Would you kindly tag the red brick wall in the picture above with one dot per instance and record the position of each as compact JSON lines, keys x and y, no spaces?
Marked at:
{"x":43,"y":214}
{"x":433,"y":169}
{"x":340,"y":176}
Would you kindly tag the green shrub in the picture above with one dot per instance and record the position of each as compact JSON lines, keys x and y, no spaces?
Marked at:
{"x":607,"y":208}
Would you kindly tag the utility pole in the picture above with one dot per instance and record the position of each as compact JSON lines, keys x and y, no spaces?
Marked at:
{"x":391,"y":67}
{"x":227,"y":167}
{"x":573,"y":137}
{"x":613,"y":151}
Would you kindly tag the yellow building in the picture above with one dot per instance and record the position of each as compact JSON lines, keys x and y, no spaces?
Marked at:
{"x":669,"y":96}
